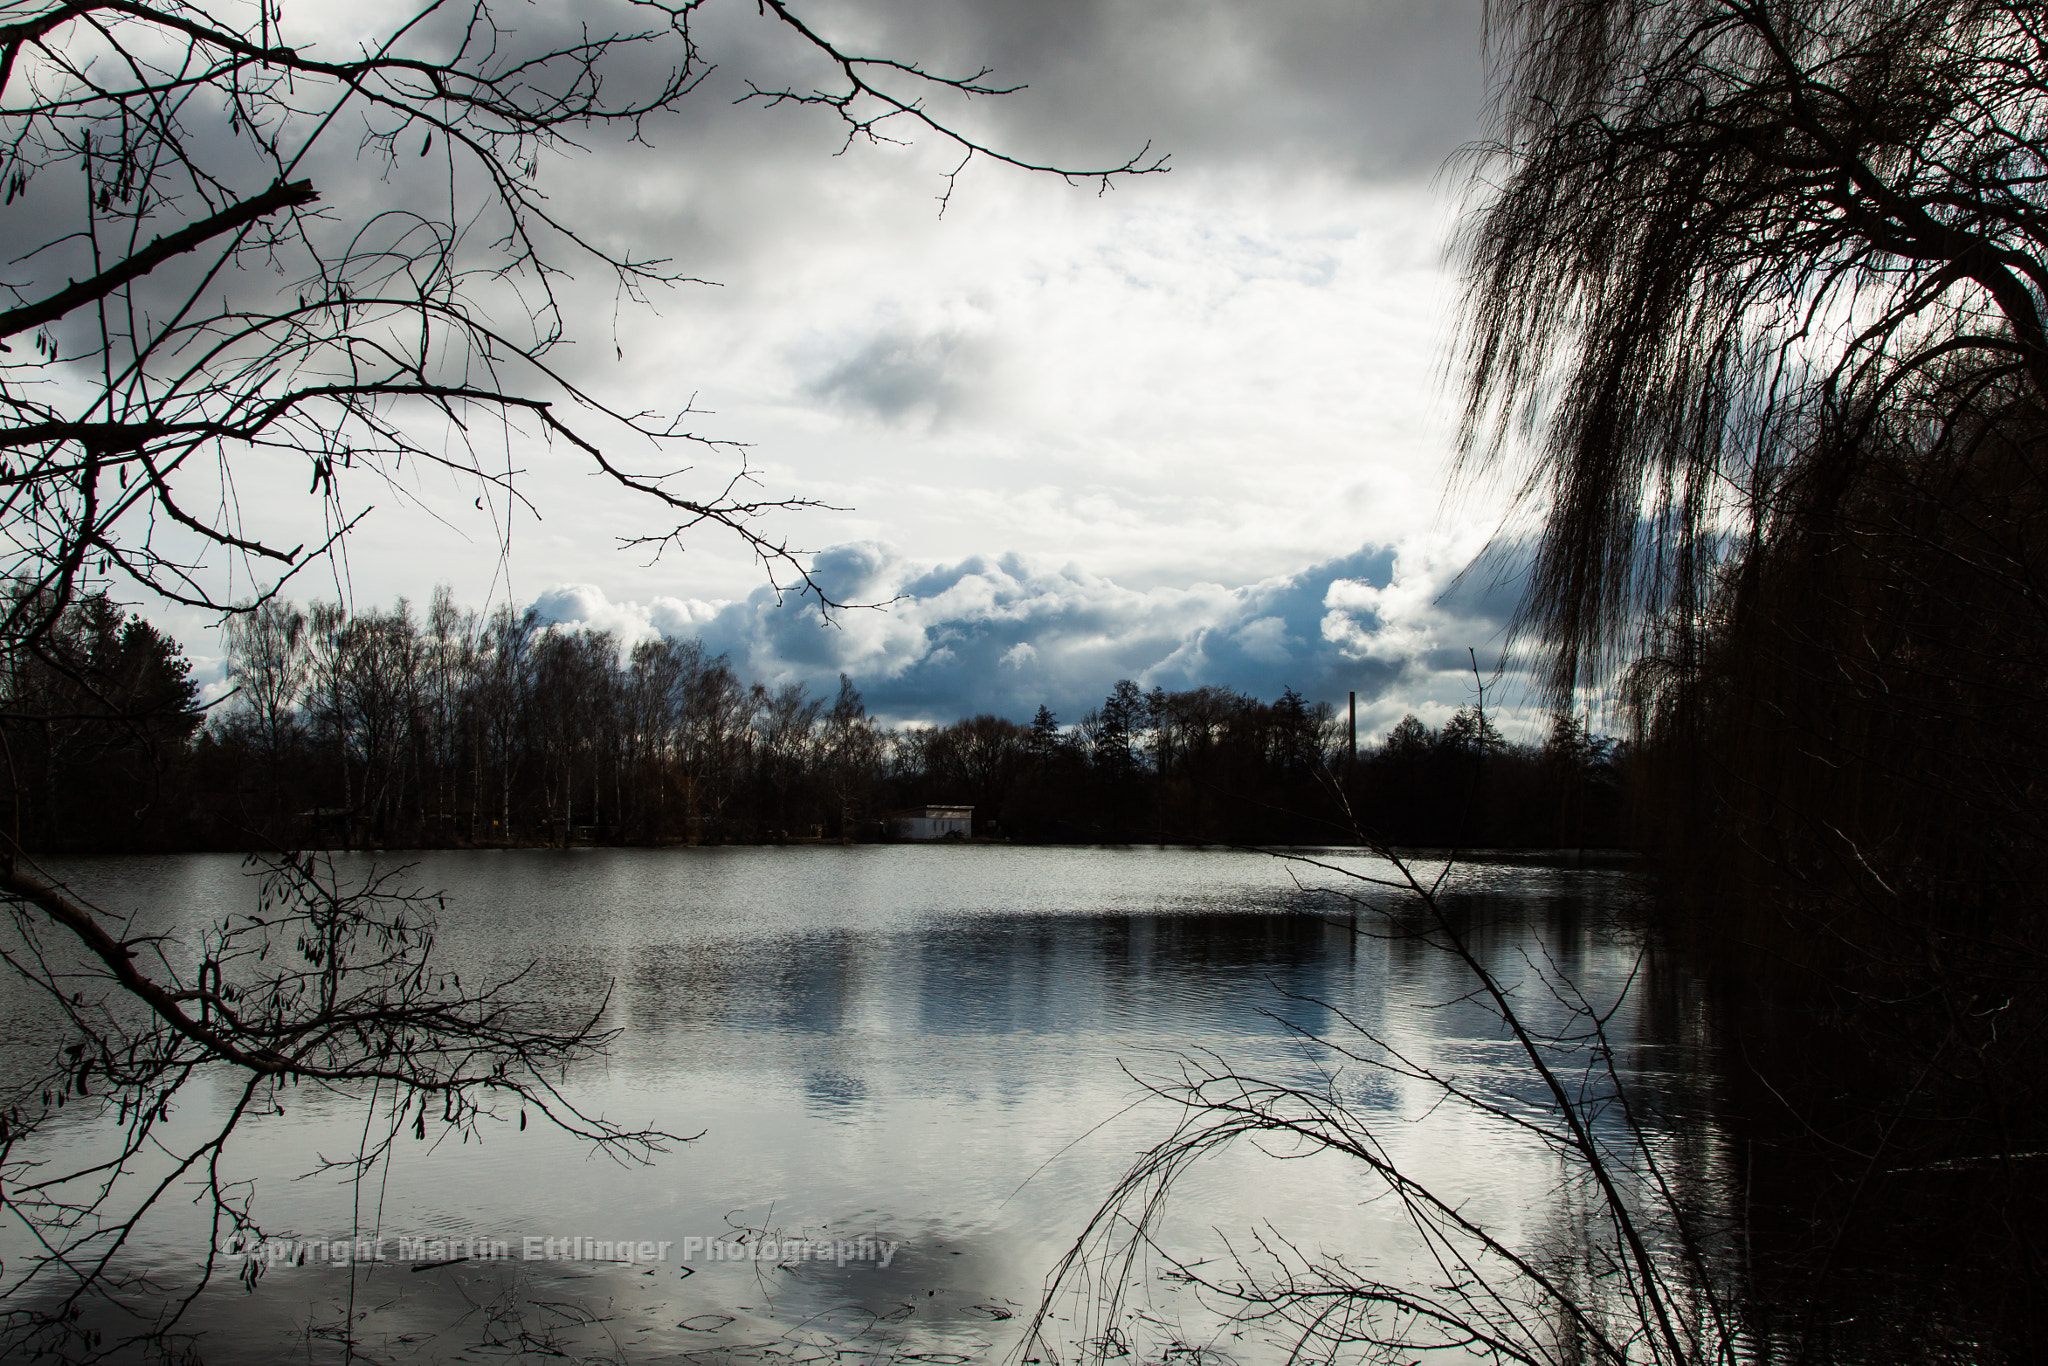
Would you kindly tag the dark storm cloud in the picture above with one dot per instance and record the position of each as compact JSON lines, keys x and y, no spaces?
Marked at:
{"x":1375,"y":89}
{"x":1372,"y":89}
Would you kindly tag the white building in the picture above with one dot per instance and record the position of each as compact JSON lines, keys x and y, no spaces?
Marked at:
{"x":932,"y":822}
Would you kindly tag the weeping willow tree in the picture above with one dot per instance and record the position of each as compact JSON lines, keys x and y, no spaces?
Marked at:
{"x":1756,"y":321}
{"x":1729,"y":242}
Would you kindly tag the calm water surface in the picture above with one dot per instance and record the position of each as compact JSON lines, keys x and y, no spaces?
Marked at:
{"x":942,"y":1048}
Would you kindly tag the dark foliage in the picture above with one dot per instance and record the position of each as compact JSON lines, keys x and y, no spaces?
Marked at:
{"x":94,"y":728}
{"x":1846,"y":782}
{"x":378,"y":729}
{"x":1721,"y":231}
{"x":1766,"y":281}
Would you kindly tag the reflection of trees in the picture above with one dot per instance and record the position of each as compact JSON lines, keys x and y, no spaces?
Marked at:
{"x":325,"y":987}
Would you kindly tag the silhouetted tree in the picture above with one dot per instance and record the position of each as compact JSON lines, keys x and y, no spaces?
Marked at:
{"x":1045,"y":734}
{"x":95,"y":718}
{"x":786,"y":751}
{"x":855,"y":755}
{"x":1725,"y":237}
{"x":1767,"y":280}
{"x":267,"y":662}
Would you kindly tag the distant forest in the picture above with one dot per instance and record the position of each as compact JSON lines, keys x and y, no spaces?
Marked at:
{"x":383,"y":729}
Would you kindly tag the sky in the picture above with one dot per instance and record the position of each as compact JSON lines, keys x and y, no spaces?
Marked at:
{"x":1193,"y":429}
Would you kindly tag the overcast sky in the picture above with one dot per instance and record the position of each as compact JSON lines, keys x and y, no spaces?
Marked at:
{"x":1193,"y":430}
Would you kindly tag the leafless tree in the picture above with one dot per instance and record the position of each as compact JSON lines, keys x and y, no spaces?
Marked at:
{"x":854,"y":755}
{"x":233,"y":249}
{"x":227,"y":314}
{"x":267,"y":658}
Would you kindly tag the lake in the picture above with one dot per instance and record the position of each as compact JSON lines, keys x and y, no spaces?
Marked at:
{"x":916,"y":1072}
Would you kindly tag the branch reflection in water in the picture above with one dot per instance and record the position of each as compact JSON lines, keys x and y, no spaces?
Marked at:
{"x":931,"y":1047}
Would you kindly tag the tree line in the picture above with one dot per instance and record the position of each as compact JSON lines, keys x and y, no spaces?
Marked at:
{"x":393,"y":728}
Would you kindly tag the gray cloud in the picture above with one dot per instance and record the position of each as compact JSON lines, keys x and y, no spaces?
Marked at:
{"x":898,"y":374}
{"x":1005,"y":634}
{"x":1375,"y":89}
{"x":1295,"y":91}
